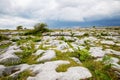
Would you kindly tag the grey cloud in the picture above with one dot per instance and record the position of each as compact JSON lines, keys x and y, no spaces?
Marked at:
{"x":64,"y":10}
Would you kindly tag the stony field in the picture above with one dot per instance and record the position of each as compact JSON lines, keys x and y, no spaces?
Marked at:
{"x":79,"y":54}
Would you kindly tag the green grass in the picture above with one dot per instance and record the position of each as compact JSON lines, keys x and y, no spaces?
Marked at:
{"x":67,"y":57}
{"x":22,"y":76}
{"x":64,"y":67}
{"x":26,"y":56}
{"x":100,"y":71}
{"x":81,"y":54}
{"x":28,"y":59}
{"x":22,"y":41}
{"x":11,"y":63}
{"x":6,"y":78}
{"x":46,"y":47}
{"x":37,"y":39}
{"x":5,"y":46}
{"x":114,"y":47}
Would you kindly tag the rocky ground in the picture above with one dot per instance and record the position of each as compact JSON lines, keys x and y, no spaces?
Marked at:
{"x":62,"y":55}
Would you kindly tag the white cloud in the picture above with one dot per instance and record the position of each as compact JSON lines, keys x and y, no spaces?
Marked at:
{"x":64,"y":10}
{"x":11,"y":22}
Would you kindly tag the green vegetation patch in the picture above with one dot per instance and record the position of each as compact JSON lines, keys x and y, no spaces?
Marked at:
{"x":38,"y":29}
{"x":64,"y":67}
{"x":67,"y":57}
{"x":22,"y":76}
{"x":100,"y":71}
{"x":5,"y":46}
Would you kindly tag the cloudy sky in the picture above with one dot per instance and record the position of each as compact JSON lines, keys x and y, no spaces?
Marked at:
{"x":59,"y":13}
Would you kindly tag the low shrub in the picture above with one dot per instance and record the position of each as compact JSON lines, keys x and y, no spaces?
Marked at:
{"x":38,"y":29}
{"x":104,"y":34}
{"x":86,"y":34}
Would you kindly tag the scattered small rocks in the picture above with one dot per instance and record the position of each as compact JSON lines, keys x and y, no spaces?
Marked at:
{"x":68,"y":41}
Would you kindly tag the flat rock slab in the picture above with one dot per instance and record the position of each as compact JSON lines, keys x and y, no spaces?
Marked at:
{"x":55,"y":42}
{"x":20,"y":68}
{"x":114,"y":61}
{"x":76,"y":73}
{"x":118,"y":44}
{"x":110,"y":51}
{"x":62,"y":46}
{"x":47,"y":71}
{"x":48,"y":55}
{"x":76,"y":60}
{"x":13,"y":71}
{"x":107,"y":42}
{"x":5,"y":42}
{"x":9,"y":56}
{"x":39,"y":52}
{"x":97,"y":52}
{"x":89,"y":39}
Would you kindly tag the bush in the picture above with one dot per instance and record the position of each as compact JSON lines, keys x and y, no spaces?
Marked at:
{"x":19,"y":27}
{"x":36,"y":40}
{"x":86,"y":34}
{"x":38,"y":29}
{"x":42,"y":27}
{"x":104,"y":34}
